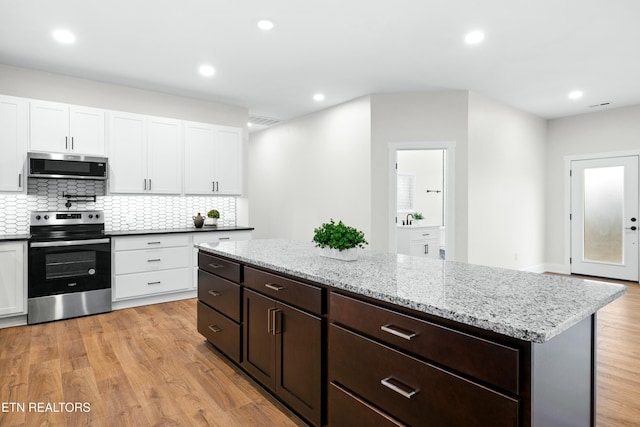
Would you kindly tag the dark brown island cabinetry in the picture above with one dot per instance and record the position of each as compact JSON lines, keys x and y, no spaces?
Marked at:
{"x":270,"y":325}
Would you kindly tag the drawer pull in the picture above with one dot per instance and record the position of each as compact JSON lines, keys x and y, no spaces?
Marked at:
{"x":394,"y":330}
{"x":274,"y":286}
{"x":224,"y":238}
{"x":215,"y":328}
{"x":216,"y":265}
{"x":398,"y":387}
{"x":154,"y":283}
{"x":214,"y":293}
{"x":154,"y":260}
{"x":426,"y":234}
{"x":153,"y":243}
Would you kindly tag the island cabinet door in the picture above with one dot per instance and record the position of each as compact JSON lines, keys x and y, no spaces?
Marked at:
{"x":259,"y":342}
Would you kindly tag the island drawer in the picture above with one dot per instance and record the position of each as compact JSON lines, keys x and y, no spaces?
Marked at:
{"x":296,"y":293}
{"x":346,"y":409}
{"x":488,"y":361}
{"x":220,"y":267}
{"x":223,"y":333}
{"x":411,"y":390}
{"x":220,"y":294}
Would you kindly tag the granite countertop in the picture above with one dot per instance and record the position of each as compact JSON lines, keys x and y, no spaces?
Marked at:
{"x":175,"y":230}
{"x":528,"y":306}
{"x":10,"y":237}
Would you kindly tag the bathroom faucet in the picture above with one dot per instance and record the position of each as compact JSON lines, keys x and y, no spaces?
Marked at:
{"x":409,"y":215}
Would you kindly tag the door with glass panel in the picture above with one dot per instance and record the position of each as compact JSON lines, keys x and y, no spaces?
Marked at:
{"x":604,"y":217}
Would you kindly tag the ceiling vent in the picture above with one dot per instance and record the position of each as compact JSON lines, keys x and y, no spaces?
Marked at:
{"x":263,"y":121}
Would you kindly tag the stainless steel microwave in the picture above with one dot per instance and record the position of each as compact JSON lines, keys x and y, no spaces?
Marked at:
{"x":70,"y":166}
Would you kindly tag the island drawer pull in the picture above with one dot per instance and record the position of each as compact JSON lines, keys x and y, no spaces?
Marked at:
{"x":215,"y":328}
{"x":216,"y":265}
{"x":214,"y":293}
{"x":274,"y":286}
{"x":154,"y":260}
{"x":398,"y":387}
{"x":394,"y":330}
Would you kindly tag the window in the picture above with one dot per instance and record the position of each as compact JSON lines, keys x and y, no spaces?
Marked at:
{"x":406,"y":192}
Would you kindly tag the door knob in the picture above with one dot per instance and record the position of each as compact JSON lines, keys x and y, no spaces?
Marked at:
{"x":633,"y":219}
{"x":632,"y":228}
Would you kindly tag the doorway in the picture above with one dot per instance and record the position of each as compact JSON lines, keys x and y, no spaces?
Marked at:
{"x":604,"y":217}
{"x":421,"y":180}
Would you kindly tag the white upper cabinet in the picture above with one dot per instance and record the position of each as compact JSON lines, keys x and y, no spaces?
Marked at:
{"x":63,"y":128}
{"x":213,"y":159}
{"x":14,"y":115}
{"x":144,"y":154}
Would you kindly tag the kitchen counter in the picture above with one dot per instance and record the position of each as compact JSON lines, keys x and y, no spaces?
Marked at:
{"x":13,"y":237}
{"x":175,"y":230}
{"x":527,"y":306}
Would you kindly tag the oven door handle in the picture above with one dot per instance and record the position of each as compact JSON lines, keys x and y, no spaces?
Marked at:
{"x":69,"y":243}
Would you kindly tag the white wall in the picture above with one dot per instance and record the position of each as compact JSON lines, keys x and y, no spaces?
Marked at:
{"x":29,"y":83}
{"x":506,"y":185}
{"x":598,"y":132}
{"x":410,"y":117}
{"x":309,"y":170}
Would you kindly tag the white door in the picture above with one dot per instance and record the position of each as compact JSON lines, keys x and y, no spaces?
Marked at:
{"x":164,"y":157}
{"x":127,"y":153}
{"x":604,"y":217}
{"x":86,"y":130}
{"x":49,"y":127}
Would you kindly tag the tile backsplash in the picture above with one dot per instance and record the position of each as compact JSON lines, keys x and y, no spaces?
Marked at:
{"x":122,"y":212}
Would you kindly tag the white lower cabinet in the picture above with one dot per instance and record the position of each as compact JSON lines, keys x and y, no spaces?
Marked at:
{"x":13,"y":289}
{"x":419,"y":241}
{"x":151,"y":265}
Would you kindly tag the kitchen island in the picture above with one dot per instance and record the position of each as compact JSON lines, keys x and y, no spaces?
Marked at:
{"x":410,"y":340}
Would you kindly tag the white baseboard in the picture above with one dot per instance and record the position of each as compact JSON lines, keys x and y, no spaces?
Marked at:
{"x":535,"y":268}
{"x":9,"y":322}
{"x":557,"y":268}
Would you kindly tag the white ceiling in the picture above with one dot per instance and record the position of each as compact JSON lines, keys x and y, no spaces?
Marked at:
{"x":535,"y":51}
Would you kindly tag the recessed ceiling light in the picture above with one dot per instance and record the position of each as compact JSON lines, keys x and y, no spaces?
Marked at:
{"x":64,"y":36}
{"x":249,"y":124}
{"x":576,"y":94}
{"x":474,"y":37}
{"x":207,"y":70}
{"x":318,"y":97}
{"x":265,"y":25}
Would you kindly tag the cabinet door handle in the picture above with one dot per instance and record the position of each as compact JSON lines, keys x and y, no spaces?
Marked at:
{"x":154,"y":260}
{"x":19,"y":180}
{"x":400,"y":388}
{"x":394,"y":330}
{"x":154,"y":283}
{"x":274,"y":286}
{"x":216,"y":265}
{"x":213,"y":186}
{"x":217,"y":186}
{"x":149,"y":184}
{"x":72,"y":143}
{"x":276,"y":315}
{"x":214,"y":293}
{"x":66,"y":142}
{"x":270,"y":320}
{"x":145,"y":184}
{"x":215,"y":328}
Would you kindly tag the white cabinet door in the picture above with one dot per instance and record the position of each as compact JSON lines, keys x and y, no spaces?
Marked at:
{"x":228,"y":161}
{"x":164,"y":144}
{"x":13,"y":142}
{"x":63,"y":128}
{"x":199,"y":153}
{"x":49,"y":124}
{"x":86,"y":130}
{"x":12,"y":278}
{"x":127,"y":153}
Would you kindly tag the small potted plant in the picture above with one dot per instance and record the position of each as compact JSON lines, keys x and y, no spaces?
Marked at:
{"x":212,"y":218}
{"x":418,"y":217}
{"x":339,"y":241}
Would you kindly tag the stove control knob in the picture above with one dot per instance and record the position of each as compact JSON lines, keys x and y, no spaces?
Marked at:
{"x":91,"y":216}
{"x":46,"y":217}
{"x":38,"y":217}
{"x":97,"y":216}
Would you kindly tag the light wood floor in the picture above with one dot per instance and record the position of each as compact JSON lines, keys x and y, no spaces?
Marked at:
{"x":136,"y":367}
{"x":149,"y":366}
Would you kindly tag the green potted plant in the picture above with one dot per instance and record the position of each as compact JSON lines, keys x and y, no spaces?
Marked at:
{"x":339,"y":240}
{"x":418,"y":217}
{"x":212,"y":217}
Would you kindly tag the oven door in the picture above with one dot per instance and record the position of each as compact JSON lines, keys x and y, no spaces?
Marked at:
{"x":62,"y":267}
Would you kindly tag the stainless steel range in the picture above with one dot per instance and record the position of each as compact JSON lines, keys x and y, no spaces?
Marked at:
{"x":69,"y":266}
